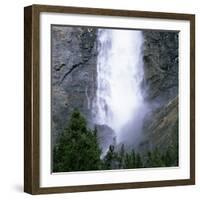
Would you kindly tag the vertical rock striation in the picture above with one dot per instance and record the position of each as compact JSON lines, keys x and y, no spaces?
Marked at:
{"x":74,"y":54}
{"x":160,"y":55}
{"x":160,"y":85}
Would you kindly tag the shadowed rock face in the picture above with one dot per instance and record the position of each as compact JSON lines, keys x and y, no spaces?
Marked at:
{"x":160,"y":85}
{"x":160,"y":55}
{"x":161,"y":128}
{"x":74,"y":54}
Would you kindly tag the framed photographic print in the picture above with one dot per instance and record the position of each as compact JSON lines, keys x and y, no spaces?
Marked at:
{"x":109,"y":99}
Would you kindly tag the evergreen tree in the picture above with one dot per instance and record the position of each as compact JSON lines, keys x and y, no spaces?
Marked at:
{"x":127,"y":161}
{"x":168,"y":158}
{"x":149,"y":161}
{"x":110,"y":158}
{"x":157,"y":159}
{"x":130,"y":160}
{"x":133,"y":159}
{"x":121,"y":157}
{"x":138,"y":162}
{"x":77,"y":149}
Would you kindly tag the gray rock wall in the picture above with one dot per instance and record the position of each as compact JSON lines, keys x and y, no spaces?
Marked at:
{"x":160,"y":91}
{"x":161,"y":128}
{"x":74,"y":53}
{"x":160,"y":55}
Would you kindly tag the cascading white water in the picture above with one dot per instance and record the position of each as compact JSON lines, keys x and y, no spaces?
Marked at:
{"x":119,"y":75}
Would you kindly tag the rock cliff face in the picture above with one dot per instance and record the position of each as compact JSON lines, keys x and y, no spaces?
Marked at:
{"x":160,"y":56}
{"x":161,"y":128}
{"x":74,"y":53}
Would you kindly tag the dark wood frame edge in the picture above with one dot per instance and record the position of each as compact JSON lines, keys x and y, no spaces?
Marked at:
{"x":31,"y":98}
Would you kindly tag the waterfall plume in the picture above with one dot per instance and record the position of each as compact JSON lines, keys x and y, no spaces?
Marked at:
{"x":119,"y":102}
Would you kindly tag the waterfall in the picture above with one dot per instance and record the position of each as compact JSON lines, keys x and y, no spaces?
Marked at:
{"x":119,"y":100}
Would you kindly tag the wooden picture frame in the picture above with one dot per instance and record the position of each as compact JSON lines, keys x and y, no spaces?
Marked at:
{"x":32,"y":93}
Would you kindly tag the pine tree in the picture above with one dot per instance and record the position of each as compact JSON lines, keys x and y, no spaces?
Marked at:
{"x":149,"y":161}
{"x":157,"y":159}
{"x":133,"y":159}
{"x":130,"y":160}
{"x":168,"y":160}
{"x":110,"y":158}
{"x":138,"y":162}
{"x":121,"y":157}
{"x":77,"y":149}
{"x":127,"y":161}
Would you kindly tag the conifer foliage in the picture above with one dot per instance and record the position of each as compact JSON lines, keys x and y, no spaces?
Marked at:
{"x":78,"y":150}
